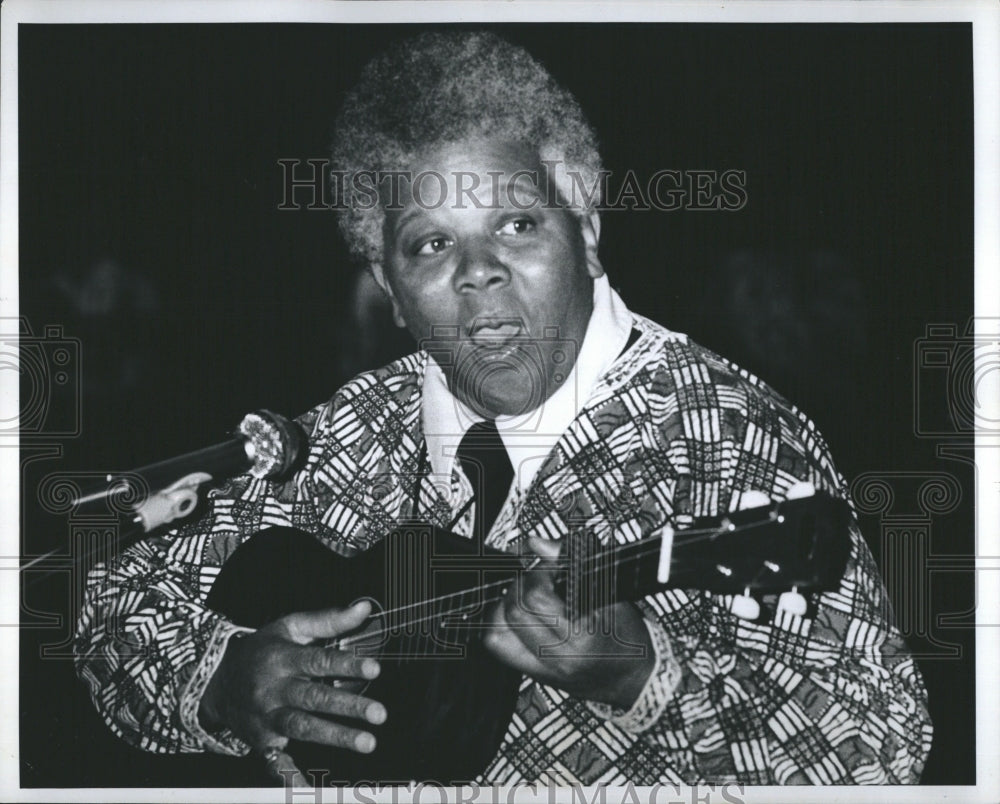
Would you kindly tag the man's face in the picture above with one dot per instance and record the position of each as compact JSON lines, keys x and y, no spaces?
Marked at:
{"x":498,"y":279}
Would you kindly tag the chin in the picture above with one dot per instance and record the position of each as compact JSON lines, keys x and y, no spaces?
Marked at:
{"x":503,"y":391}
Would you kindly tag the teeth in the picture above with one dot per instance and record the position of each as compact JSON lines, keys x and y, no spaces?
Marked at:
{"x":495,"y":331}
{"x":501,"y":330}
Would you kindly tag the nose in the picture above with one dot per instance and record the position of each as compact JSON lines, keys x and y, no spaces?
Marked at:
{"x":480,"y":267}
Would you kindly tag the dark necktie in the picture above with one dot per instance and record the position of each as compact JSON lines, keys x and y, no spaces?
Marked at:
{"x":487,"y":465}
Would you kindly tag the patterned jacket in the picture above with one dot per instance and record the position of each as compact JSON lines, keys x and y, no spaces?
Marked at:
{"x":671,"y":432}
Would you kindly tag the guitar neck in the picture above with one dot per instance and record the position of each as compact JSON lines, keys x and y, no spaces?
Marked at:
{"x":795,"y":544}
{"x":798,"y":544}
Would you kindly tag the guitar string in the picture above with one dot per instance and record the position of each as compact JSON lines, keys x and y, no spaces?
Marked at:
{"x":629,"y":548}
{"x":692,"y":536}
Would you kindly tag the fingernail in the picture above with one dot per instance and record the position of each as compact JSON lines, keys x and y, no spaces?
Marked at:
{"x":371,"y":669}
{"x":365,"y":743}
{"x":376,"y":713}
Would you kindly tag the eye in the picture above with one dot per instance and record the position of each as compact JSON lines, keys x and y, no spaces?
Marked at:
{"x":517,"y":226}
{"x":433,"y":246}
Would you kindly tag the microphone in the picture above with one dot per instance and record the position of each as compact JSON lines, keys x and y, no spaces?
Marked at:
{"x":267,"y":446}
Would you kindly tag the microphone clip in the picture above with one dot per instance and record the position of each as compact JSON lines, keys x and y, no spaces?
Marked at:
{"x":174,"y":502}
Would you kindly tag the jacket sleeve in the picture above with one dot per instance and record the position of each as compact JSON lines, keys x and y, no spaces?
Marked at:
{"x":146,"y":645}
{"x":828,"y":697}
{"x":831,"y":697}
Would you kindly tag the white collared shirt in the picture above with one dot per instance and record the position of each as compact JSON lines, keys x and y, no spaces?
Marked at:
{"x":529,"y":437}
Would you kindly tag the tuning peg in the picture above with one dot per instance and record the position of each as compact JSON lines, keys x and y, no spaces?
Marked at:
{"x":744,"y":606}
{"x":792,"y":602}
{"x":801,"y":490}
{"x":753,"y":499}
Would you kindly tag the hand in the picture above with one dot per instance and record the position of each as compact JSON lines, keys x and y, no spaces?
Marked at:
{"x":606,"y":656}
{"x":265,"y":689}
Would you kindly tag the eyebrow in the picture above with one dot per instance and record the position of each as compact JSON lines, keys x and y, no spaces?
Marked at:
{"x":534,"y":191}
{"x":405,"y":216}
{"x":516,"y":183}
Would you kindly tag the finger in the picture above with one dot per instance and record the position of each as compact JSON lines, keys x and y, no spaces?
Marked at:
{"x":299,"y":725}
{"x":320,"y":662}
{"x":305,"y":626}
{"x":507,"y":646}
{"x":532,"y":603}
{"x":314,"y":697}
{"x":282,"y":768}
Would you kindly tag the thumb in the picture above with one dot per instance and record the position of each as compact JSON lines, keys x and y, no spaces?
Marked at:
{"x":546,"y":548}
{"x":305,"y":626}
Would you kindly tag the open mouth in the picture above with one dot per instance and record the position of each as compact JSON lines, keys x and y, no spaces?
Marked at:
{"x":493,"y":332}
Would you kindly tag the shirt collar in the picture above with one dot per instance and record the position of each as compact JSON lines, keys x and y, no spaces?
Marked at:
{"x":529,"y":437}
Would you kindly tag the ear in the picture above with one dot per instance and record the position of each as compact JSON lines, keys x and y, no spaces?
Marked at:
{"x":378,"y":274}
{"x":590,"y":229}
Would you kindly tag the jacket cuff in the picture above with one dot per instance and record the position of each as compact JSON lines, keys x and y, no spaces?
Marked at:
{"x":657,"y":693}
{"x":221,"y":741}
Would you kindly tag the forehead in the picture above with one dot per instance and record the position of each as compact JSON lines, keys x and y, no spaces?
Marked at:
{"x":478,"y":154}
{"x":451,"y":171}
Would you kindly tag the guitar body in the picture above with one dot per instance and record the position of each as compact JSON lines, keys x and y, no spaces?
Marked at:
{"x":449,"y":702}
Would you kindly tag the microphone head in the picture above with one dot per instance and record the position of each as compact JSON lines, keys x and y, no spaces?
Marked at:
{"x":274,"y":444}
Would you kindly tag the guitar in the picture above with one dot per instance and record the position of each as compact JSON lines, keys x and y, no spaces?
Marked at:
{"x":449,"y":701}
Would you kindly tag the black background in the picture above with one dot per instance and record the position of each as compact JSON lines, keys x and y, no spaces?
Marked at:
{"x":155,"y":148}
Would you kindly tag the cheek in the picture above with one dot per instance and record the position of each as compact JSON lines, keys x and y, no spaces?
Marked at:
{"x":566,"y":279}
{"x":424,"y":308}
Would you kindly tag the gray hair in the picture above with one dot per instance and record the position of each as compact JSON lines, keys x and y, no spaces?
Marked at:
{"x":446,"y":87}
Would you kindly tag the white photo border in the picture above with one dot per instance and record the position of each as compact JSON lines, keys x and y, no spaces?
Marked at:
{"x":985,"y":19}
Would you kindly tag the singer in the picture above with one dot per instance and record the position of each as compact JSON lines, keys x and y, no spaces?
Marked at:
{"x":537,"y":407}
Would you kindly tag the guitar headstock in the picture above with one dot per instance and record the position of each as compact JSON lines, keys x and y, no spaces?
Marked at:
{"x":798,"y":545}
{"x":801,"y":543}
